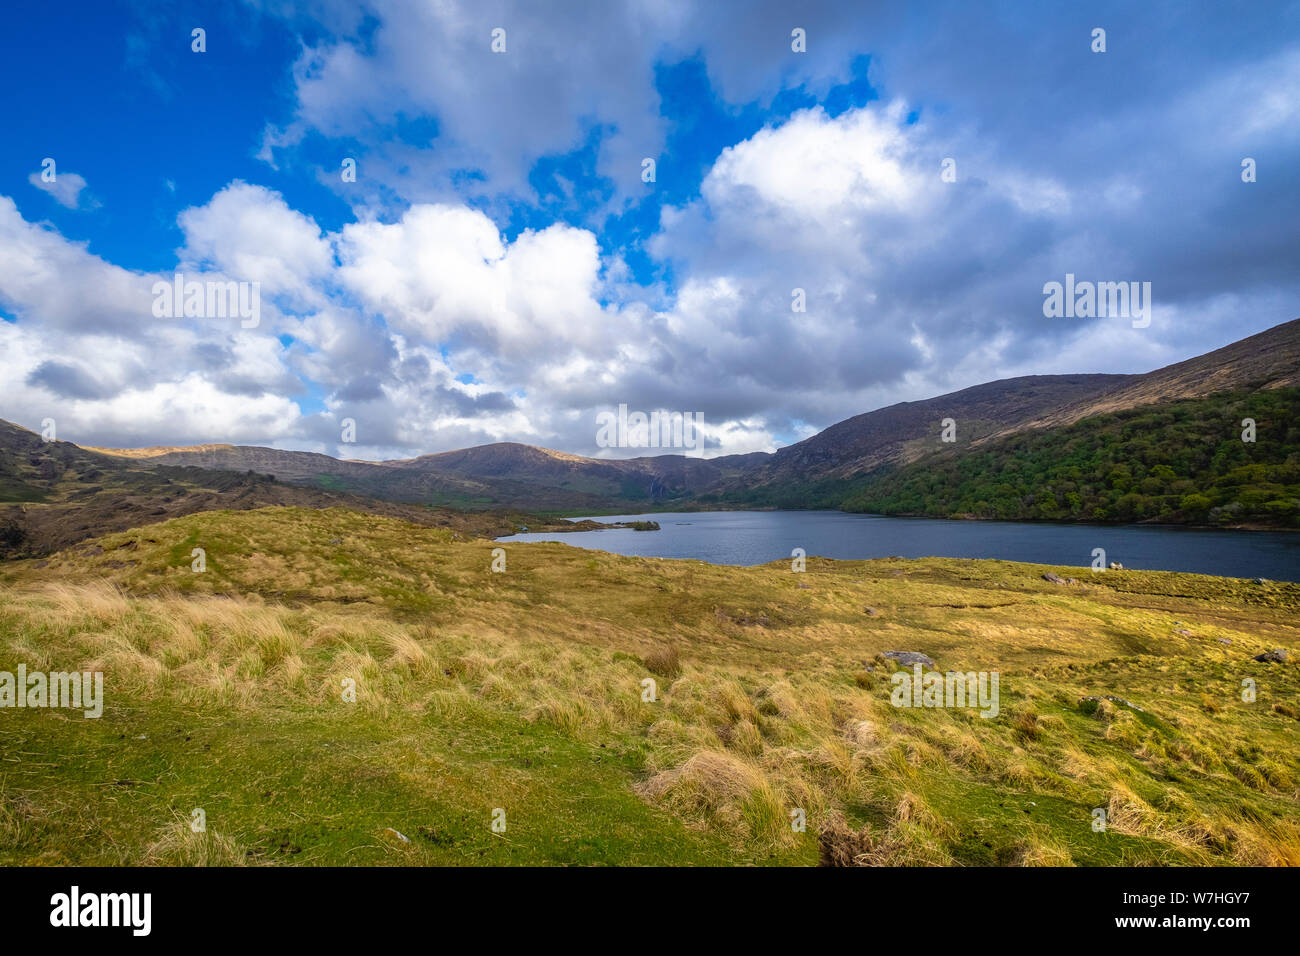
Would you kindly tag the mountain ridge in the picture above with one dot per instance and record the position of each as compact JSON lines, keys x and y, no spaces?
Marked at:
{"x":811,"y":472}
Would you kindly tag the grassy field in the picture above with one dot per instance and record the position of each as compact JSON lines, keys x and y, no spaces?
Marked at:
{"x":522,"y":691}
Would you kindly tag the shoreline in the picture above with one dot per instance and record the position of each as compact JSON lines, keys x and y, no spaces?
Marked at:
{"x":965,"y":517}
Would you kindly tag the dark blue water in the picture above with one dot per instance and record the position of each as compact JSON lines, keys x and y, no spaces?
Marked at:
{"x":756,"y":537}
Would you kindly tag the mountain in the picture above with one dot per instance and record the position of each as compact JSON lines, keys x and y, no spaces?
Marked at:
{"x":504,"y":474}
{"x":54,"y":494}
{"x":1181,"y":461}
{"x":825,"y":470}
{"x":822,"y":469}
{"x":524,"y":476}
{"x":819,"y":469}
{"x":1268,"y":360}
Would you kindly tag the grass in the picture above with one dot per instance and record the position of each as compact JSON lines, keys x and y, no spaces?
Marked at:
{"x":526,"y":691}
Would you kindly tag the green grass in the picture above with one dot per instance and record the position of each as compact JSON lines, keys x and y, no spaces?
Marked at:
{"x":302,"y":786}
{"x":523,"y":690}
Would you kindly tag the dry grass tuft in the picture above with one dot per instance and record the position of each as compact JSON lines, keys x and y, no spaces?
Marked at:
{"x":177,"y":845}
{"x":663,"y":661}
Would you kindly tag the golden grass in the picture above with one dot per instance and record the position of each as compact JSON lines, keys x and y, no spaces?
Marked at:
{"x":771,"y":698}
{"x":176,"y":844}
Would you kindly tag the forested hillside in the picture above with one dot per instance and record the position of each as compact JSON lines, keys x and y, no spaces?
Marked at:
{"x":1182,"y":462}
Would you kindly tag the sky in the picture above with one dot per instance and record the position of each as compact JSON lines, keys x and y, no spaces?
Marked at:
{"x":852,"y":205}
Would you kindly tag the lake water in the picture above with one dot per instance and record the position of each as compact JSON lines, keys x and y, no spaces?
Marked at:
{"x":756,"y":537}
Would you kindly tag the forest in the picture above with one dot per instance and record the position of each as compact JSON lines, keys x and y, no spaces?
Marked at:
{"x":1187,"y":462}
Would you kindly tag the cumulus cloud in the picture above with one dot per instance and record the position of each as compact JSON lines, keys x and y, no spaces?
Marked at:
{"x":66,"y":188}
{"x":568,"y":71}
{"x":444,"y":274}
{"x":86,"y":349}
{"x":250,"y":233}
{"x":435,"y":321}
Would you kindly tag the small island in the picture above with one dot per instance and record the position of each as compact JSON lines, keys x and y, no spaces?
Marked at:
{"x":638,"y":525}
{"x":550,"y":526}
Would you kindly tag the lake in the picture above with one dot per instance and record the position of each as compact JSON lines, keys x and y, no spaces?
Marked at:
{"x":756,"y":537}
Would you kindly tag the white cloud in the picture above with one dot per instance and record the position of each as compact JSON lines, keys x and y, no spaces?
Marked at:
{"x":444,"y":274}
{"x":193,"y":400}
{"x":250,"y":234}
{"x":49,"y":279}
{"x":66,"y":188}
{"x":567,"y":70}
{"x":820,"y":169}
{"x":914,"y":286}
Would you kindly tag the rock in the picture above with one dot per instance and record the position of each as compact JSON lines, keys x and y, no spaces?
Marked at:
{"x":1225,"y":640}
{"x":805,"y":587}
{"x":1183,"y":631}
{"x":1276,"y":656}
{"x":871,"y":612}
{"x":1055,"y":578}
{"x":1115,"y":700}
{"x":1258,"y":581}
{"x":862,"y":733}
{"x":336,"y":540}
{"x":909,"y":658}
{"x":1116,"y":566}
{"x":400,"y":836}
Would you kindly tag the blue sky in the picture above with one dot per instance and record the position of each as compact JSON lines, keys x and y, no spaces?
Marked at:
{"x":499,"y":270}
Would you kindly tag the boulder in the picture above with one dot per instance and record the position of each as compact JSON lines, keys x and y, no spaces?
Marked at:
{"x":1115,"y":700}
{"x":908,"y":658}
{"x":1276,"y":656}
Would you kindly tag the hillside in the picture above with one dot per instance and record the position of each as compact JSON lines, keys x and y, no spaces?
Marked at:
{"x":53,"y":494}
{"x":1173,"y":462}
{"x":509,"y":473}
{"x":522,"y":692}
{"x":1268,"y":360}
{"x":818,"y":471}
{"x":822,"y":471}
{"x":864,"y":442}
{"x":829,"y":467}
{"x":504,"y":474}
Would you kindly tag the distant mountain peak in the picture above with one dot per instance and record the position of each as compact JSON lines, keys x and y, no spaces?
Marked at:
{"x":528,"y":476}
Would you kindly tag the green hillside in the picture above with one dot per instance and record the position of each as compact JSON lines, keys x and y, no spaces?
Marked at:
{"x":524,"y":691}
{"x":1176,"y":462}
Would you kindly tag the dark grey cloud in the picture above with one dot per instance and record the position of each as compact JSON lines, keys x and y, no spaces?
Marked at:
{"x":468,"y":406}
{"x":69,"y":381}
